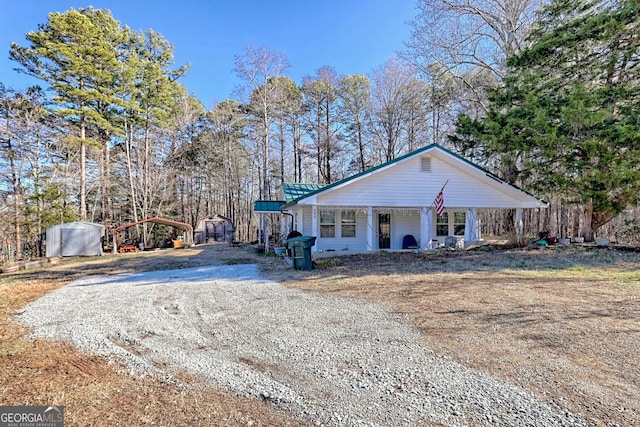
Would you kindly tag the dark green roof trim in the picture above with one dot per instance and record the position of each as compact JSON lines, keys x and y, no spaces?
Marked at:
{"x":430,"y":147}
{"x":267,"y":205}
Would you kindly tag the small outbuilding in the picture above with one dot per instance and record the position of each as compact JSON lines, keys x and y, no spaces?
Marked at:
{"x":78,"y":238}
{"x":217,"y":228}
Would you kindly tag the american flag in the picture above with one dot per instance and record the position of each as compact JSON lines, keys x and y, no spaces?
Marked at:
{"x":439,"y":202}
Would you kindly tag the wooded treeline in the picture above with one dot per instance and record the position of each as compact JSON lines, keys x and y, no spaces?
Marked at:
{"x":114,"y":137}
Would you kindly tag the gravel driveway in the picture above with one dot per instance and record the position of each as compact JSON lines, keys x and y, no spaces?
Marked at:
{"x":326,"y":360}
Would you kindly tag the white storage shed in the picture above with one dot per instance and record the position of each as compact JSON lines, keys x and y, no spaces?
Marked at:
{"x":77,"y":238}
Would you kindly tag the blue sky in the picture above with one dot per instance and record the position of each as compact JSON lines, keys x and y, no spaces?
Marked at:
{"x":353,"y":36}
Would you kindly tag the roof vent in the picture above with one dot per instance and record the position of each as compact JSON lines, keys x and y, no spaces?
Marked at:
{"x":425,"y":164}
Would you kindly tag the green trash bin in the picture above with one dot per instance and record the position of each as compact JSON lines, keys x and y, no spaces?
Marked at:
{"x":301,"y":251}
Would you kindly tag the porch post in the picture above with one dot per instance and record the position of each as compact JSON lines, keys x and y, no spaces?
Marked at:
{"x":283,"y":228}
{"x":519,"y":225}
{"x":314,"y":226}
{"x":471,"y":227}
{"x":425,"y":228}
{"x":370,"y":228}
{"x":267,"y":226}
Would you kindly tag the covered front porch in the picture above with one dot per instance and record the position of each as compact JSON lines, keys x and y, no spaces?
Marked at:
{"x":378,"y":209}
{"x":362,"y":229}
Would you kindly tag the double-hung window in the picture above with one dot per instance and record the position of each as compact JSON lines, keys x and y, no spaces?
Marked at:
{"x":442,"y":224}
{"x":327,"y":223}
{"x":348,"y":223}
{"x":459,"y":219}
{"x":451,"y":224}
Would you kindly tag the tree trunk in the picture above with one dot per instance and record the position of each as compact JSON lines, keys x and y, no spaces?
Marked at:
{"x":363,"y":164}
{"x":105,"y":181}
{"x":327,"y":138}
{"x":83,"y":172}
{"x":281,"y":154}
{"x":298,"y":149}
{"x":588,"y":221}
{"x":18,"y":229}
{"x":265,"y":163}
{"x":128,"y":147}
{"x":17,"y":199}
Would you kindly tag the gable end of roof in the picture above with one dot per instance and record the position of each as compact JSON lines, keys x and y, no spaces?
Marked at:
{"x":307,"y":190}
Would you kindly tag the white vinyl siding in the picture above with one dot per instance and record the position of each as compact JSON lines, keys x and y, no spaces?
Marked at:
{"x":403,"y":184}
{"x":402,"y":223}
{"x":307,"y":221}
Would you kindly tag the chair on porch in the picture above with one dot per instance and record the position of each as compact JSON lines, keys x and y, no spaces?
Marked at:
{"x":450,"y":242}
{"x":409,"y":242}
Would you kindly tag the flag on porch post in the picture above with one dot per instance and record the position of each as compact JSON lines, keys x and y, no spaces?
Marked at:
{"x":439,"y":203}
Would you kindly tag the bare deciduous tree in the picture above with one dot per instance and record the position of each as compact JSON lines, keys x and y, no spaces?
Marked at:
{"x":257,"y":66}
{"x":389,"y":91}
{"x":462,"y":35}
{"x":355,"y":97}
{"x":416,"y":96}
{"x":288,"y":112}
{"x":321,"y":96}
{"x":229,"y":165}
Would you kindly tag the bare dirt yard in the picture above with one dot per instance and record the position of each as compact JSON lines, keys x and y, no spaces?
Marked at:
{"x":562,"y":322}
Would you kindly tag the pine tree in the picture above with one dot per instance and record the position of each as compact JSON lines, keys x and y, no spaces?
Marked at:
{"x":76,"y":53}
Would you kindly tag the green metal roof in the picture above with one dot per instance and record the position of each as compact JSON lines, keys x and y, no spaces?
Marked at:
{"x":294,"y":191}
{"x":267,"y":205}
{"x":306,"y":190}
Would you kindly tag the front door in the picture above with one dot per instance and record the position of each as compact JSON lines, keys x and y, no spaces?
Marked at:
{"x":384,"y":231}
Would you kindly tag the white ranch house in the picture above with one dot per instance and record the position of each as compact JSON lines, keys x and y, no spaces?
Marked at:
{"x":376,"y":209}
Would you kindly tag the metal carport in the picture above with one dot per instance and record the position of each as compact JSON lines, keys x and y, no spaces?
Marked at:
{"x":187,"y":229}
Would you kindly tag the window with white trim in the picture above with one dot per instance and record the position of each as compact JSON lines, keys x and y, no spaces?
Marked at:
{"x":442,"y":224}
{"x":348,"y":223}
{"x":327,"y":223}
